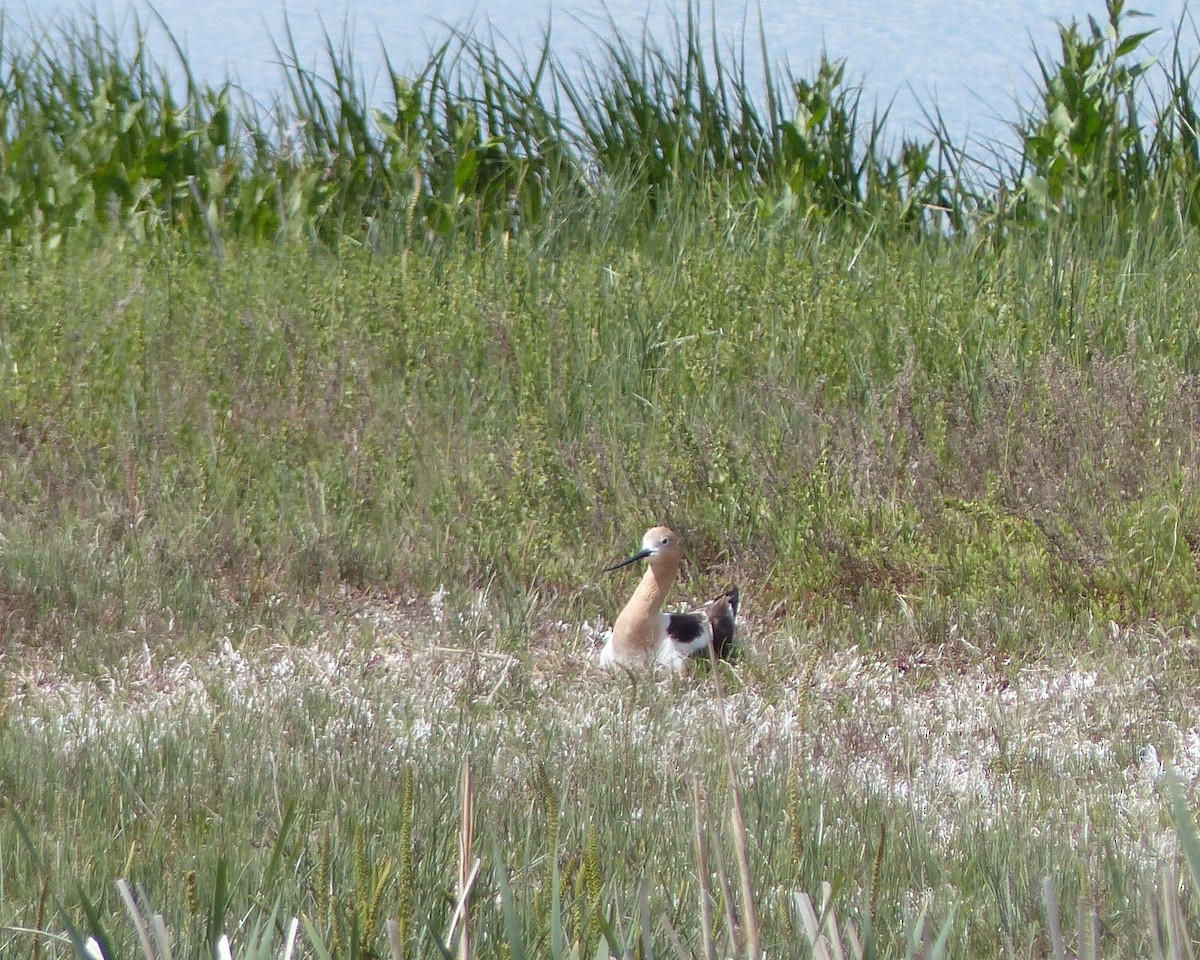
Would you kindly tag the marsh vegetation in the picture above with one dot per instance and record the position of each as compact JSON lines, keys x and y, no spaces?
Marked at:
{"x":319,"y":421}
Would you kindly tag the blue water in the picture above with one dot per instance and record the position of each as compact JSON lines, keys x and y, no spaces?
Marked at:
{"x":972,"y":58}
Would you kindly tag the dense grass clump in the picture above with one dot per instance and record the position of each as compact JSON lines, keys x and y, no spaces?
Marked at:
{"x":95,"y":136}
{"x":318,"y":423}
{"x":840,"y":420}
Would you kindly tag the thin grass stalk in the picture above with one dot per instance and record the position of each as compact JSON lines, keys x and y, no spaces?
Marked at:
{"x":512,"y":924}
{"x":812,"y":926}
{"x":39,"y":918}
{"x":619,"y":923}
{"x":731,"y":924}
{"x":1171,"y":913}
{"x":158,"y":926}
{"x":835,"y":936}
{"x":1154,"y":921}
{"x":698,"y":805}
{"x":1089,"y":931}
{"x":214,"y":236}
{"x":289,"y":940}
{"x":876,"y":872}
{"x":459,"y":913}
{"x":1189,"y":840}
{"x":1056,"y":938}
{"x":398,"y":928}
{"x":644,"y":920}
{"x":916,"y":946}
{"x":466,"y":871}
{"x":1189,"y":837}
{"x":676,"y":944}
{"x":139,"y":922}
{"x":395,"y":945}
{"x":558,"y":939}
{"x":856,"y":947}
{"x":1178,"y":944}
{"x":741,"y":847}
{"x":937,"y":950}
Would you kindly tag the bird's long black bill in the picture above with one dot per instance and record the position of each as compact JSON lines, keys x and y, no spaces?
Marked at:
{"x":641,"y":555}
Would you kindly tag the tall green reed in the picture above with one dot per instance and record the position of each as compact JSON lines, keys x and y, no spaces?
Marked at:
{"x":97,"y":136}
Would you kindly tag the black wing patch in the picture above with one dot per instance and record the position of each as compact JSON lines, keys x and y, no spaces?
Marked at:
{"x":684,"y":628}
{"x":692,"y":633}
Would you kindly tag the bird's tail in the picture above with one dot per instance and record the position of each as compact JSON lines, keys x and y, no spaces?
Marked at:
{"x":722,"y":614}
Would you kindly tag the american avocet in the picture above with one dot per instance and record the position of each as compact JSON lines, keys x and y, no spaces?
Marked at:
{"x":644,"y":635}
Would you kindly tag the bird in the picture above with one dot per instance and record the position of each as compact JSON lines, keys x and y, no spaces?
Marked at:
{"x":644,"y":636}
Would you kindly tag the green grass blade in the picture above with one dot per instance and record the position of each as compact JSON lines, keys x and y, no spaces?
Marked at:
{"x":277,"y":849}
{"x":220,"y":900}
{"x":508,"y":906}
{"x":1189,"y":838}
{"x":316,"y":941}
{"x":77,"y":941}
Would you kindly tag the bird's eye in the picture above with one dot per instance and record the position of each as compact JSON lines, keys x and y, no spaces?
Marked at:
{"x":665,"y":540}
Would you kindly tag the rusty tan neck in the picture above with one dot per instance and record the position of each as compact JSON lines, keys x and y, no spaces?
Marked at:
{"x":651,"y":592}
{"x":638,"y":630}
